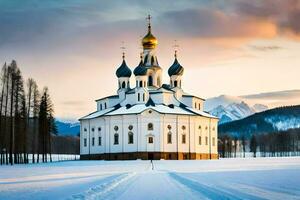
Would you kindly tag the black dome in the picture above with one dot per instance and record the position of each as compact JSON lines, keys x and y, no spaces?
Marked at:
{"x":123,"y":70}
{"x":140,"y":70}
{"x":175,"y":69}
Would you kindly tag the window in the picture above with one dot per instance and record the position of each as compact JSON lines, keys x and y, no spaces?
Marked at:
{"x":116,"y":128}
{"x":141,"y":83}
{"x":183,"y":127}
{"x":169,"y":127}
{"x":139,"y":97}
{"x":143,"y":96}
{"x":100,"y":106}
{"x":99,"y":141}
{"x":123,"y":84}
{"x":85,"y":129}
{"x":195,"y":105}
{"x":200,"y":140}
{"x":130,"y":127}
{"x":84,"y":142}
{"x":93,"y":129}
{"x":137,"y":83}
{"x":206,"y":140}
{"x":150,"y":81}
{"x":130,"y":138}
{"x":99,"y":129}
{"x":93,"y":141}
{"x":199,"y":106}
{"x":150,"y":140}
{"x":150,"y":127}
{"x":116,"y":138}
{"x":175,"y":83}
{"x":213,"y":141}
{"x":169,"y":137}
{"x":183,"y":138}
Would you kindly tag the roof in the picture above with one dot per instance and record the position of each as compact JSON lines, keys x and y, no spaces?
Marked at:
{"x":188,"y":95}
{"x":140,"y":70}
{"x":123,"y":70}
{"x":108,"y":97}
{"x":139,"y":108}
{"x":176,"y":69}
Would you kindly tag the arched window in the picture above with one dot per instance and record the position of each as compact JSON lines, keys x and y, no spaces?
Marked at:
{"x":206,"y":140}
{"x":143,"y":96}
{"x":137,"y":83}
{"x":199,"y":106}
{"x":100,"y":106}
{"x":150,"y":127}
{"x":152,"y":60}
{"x":200,"y":142}
{"x":139,"y":97}
{"x":150,"y":81}
{"x":169,"y":139}
{"x":141,"y":83}
{"x":175,"y":83}
{"x":116,"y":138}
{"x":130,"y":138}
{"x":213,"y":141}
{"x":123,"y":84}
{"x":183,"y":138}
{"x":105,"y":105}
{"x":195,"y":105}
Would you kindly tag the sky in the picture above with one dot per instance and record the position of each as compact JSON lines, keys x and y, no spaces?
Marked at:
{"x":233,"y":47}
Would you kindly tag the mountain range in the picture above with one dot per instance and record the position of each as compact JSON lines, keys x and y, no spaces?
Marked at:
{"x":230,"y":108}
{"x":227,"y":108}
{"x":273,"y":120}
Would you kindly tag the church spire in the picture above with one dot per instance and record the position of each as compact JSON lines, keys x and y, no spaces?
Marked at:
{"x":149,"y":41}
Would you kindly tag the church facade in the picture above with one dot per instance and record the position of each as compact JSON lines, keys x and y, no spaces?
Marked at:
{"x":150,"y":120}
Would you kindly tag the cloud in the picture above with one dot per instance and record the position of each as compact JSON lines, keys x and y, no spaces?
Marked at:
{"x":284,"y":14}
{"x":265,"y":48}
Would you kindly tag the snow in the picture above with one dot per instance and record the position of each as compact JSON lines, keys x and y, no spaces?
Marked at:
{"x":238,"y":178}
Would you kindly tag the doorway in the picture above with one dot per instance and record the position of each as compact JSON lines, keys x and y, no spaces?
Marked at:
{"x":150,"y":156}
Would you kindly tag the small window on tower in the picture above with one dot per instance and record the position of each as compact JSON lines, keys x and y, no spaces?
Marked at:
{"x":150,"y":140}
{"x":84,"y":142}
{"x":150,"y":127}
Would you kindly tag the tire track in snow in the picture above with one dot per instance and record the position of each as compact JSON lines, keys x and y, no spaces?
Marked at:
{"x":209,"y":192}
{"x":103,"y":190}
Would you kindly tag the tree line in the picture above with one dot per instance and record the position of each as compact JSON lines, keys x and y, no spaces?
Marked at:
{"x":274,"y":144}
{"x":26,"y":118}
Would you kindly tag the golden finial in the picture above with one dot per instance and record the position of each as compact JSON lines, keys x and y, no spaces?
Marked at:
{"x":175,"y":48}
{"x":123,"y":50}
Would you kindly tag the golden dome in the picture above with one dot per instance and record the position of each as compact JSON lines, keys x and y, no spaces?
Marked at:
{"x":149,"y":41}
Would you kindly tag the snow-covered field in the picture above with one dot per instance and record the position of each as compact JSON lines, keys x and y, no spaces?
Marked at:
{"x":249,"y":178}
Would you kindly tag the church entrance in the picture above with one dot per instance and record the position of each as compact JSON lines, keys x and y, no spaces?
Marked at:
{"x":150,"y":156}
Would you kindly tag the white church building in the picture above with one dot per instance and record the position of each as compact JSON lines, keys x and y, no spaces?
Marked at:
{"x":150,"y":120}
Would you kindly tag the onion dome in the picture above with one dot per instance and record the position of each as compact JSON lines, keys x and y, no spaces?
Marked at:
{"x":149,"y":41}
{"x":176,"y":68}
{"x":140,"y":70}
{"x":123,"y":70}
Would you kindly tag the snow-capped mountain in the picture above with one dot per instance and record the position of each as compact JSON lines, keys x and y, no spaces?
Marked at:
{"x":70,"y":128}
{"x":229,"y":108}
{"x":273,"y":120}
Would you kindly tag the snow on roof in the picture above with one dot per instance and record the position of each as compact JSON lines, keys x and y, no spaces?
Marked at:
{"x":108,"y":97}
{"x":139,"y":108}
{"x":189,"y":95}
{"x":202,"y":113}
{"x":97,"y":113}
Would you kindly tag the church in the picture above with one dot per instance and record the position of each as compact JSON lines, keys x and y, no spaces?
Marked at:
{"x":149,"y":120}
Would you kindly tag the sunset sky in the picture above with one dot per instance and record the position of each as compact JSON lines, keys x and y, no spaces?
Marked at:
{"x":234,"y":47}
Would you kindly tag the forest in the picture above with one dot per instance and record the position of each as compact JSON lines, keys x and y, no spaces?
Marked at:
{"x":27,"y":124}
